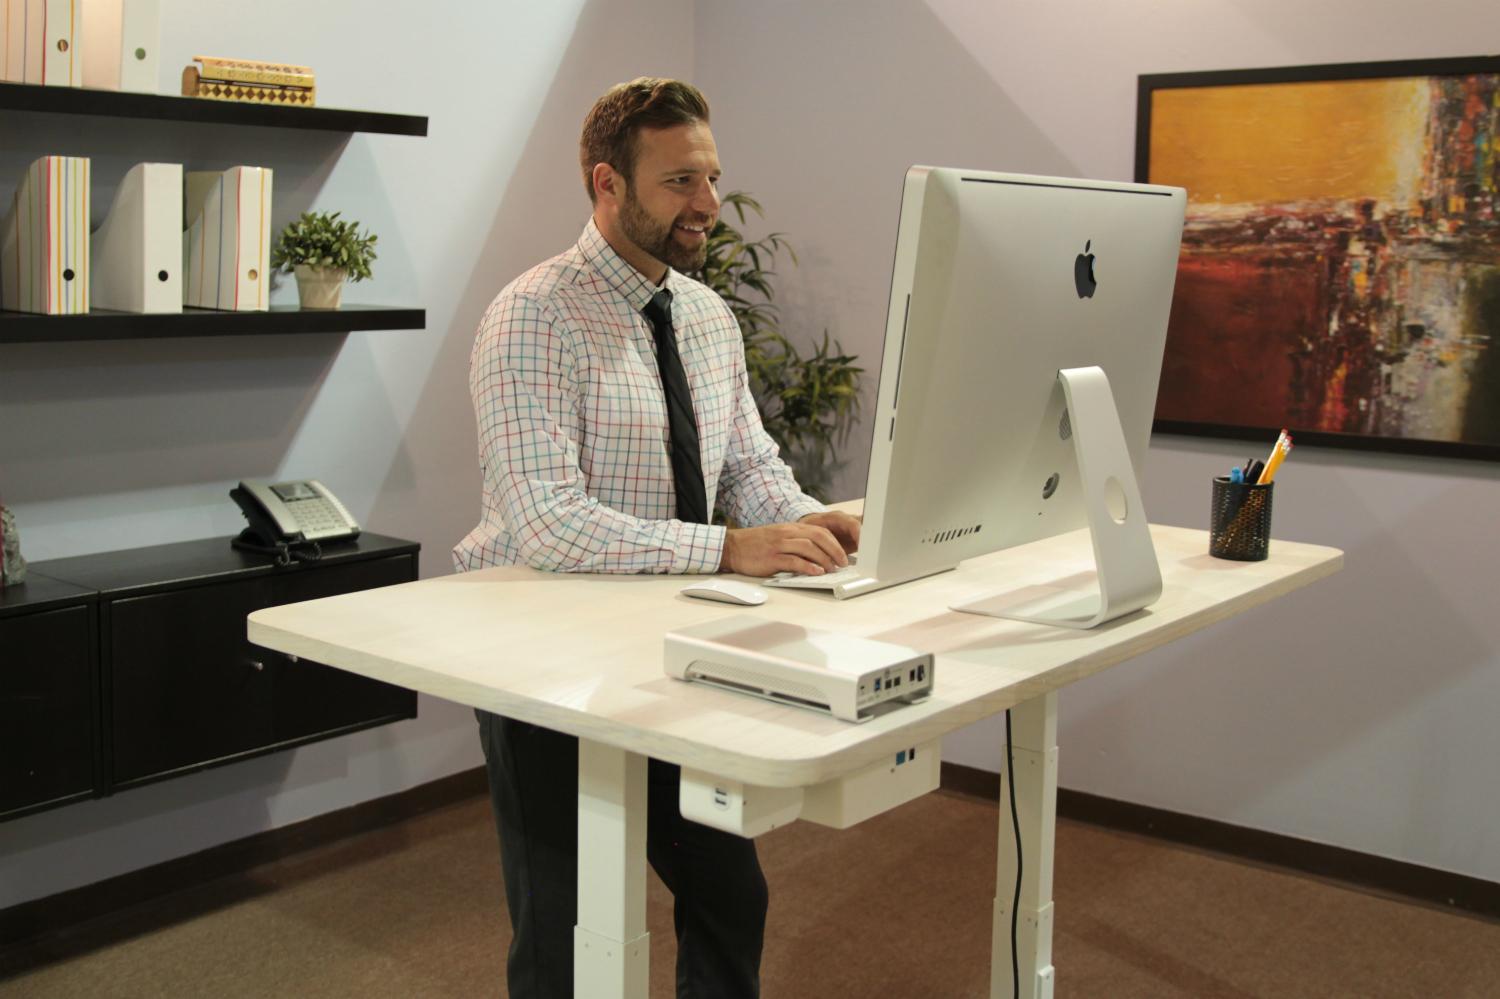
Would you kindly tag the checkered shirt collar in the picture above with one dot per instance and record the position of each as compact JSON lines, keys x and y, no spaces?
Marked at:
{"x":617,"y":271}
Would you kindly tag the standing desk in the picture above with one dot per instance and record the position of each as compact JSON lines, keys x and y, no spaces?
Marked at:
{"x":582,"y":654}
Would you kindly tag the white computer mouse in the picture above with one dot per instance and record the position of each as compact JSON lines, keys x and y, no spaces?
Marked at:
{"x":726,"y":591}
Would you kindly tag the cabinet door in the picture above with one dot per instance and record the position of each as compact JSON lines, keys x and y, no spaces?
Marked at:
{"x":46,"y":707}
{"x":311,"y":699}
{"x":187,"y":689}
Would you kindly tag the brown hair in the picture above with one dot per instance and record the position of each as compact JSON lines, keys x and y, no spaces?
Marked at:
{"x":611,"y":132}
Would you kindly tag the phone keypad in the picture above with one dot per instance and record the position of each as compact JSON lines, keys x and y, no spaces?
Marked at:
{"x":318,"y":517}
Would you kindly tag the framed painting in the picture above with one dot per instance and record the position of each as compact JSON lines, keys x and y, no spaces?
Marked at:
{"x":1340,"y":268}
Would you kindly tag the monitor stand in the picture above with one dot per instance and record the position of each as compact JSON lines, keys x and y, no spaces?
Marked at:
{"x":1128,"y":577}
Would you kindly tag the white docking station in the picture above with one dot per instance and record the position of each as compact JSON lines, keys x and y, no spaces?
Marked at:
{"x":749,"y":810}
{"x":850,"y":678}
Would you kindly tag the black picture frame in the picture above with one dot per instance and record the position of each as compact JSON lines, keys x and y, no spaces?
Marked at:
{"x":1150,"y":85}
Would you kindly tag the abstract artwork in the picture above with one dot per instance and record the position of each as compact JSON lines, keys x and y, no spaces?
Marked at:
{"x":1340,"y":267}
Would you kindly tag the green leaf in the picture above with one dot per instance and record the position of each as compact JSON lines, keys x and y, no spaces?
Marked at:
{"x":321,"y":239}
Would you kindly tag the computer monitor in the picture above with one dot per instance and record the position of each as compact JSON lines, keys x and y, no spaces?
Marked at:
{"x":1010,"y":294}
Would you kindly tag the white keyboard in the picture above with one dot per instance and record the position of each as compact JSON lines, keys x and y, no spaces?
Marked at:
{"x":827,"y":581}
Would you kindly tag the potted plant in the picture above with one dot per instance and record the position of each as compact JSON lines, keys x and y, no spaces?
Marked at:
{"x":323,"y":252}
{"x":805,"y":403}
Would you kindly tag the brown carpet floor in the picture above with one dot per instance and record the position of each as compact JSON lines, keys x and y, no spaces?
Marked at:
{"x":899,"y":907}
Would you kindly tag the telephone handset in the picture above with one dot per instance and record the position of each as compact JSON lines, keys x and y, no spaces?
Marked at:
{"x":288,"y":519}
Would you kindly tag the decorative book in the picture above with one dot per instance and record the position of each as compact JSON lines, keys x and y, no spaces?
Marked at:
{"x":251,"y":82}
{"x":246,"y":71}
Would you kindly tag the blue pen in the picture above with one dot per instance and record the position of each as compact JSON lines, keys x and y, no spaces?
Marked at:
{"x":1237,"y":476}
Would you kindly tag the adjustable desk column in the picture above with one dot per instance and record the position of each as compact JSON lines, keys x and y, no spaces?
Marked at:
{"x":611,"y":947}
{"x":1031,"y":774}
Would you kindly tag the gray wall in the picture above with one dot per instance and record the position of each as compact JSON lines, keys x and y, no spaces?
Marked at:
{"x":111,"y":445}
{"x":1361,"y":711}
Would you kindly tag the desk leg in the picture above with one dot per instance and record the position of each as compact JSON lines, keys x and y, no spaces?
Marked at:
{"x":611,"y":947}
{"x":1034,"y":749}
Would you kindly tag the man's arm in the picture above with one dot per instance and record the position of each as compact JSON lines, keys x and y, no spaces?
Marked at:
{"x":757,"y":488}
{"x":808,"y":547}
{"x":525,"y":393}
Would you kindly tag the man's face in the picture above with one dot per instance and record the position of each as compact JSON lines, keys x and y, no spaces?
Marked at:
{"x":672,"y":201}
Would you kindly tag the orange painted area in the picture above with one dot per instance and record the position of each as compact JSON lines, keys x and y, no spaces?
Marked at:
{"x":1292,"y":142}
{"x":1335,"y":409}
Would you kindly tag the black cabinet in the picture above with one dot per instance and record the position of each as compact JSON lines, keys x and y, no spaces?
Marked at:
{"x":310,"y":700}
{"x":185,"y":687}
{"x":130,"y":667}
{"x":48,"y":696}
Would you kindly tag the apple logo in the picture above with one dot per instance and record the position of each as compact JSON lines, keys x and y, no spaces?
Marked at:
{"x":1083,"y":272}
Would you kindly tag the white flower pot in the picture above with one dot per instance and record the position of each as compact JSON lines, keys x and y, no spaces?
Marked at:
{"x":319,"y":287}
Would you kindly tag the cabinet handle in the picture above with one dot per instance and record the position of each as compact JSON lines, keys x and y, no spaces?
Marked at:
{"x":255,"y":664}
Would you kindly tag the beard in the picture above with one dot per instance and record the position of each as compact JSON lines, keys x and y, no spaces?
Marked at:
{"x":655,"y":236}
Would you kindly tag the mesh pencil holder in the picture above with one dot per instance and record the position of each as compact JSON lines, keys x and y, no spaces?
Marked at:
{"x":1240,"y":522}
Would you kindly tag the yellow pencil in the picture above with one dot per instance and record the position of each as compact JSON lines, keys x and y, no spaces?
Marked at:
{"x":1278,"y":455}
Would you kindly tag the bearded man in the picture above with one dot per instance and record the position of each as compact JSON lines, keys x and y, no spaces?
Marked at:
{"x":614,"y":413}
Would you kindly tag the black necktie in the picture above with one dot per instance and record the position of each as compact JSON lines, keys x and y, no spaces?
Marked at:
{"x":687,"y":467}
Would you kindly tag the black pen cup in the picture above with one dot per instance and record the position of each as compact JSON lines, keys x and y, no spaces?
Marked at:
{"x":1240,"y":521}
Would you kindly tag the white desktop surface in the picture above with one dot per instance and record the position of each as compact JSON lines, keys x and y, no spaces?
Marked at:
{"x":582,"y":654}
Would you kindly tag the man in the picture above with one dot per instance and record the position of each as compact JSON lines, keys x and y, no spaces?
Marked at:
{"x":614,"y":410}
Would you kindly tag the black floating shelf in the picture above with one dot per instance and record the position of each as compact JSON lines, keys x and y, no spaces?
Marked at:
{"x":119,"y":104}
{"x":101,"y":324}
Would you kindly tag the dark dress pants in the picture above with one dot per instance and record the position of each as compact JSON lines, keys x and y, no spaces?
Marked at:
{"x":719,"y":892}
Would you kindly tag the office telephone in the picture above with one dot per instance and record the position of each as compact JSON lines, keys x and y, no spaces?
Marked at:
{"x":290,"y":519}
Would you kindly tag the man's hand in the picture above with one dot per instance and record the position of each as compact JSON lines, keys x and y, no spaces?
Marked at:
{"x":807,"y":547}
{"x":843,"y":526}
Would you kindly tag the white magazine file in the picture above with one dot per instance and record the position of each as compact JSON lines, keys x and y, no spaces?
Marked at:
{"x":44,"y":240}
{"x":120,"y":42}
{"x":138,"y":249}
{"x":226,"y":250}
{"x":41,"y":41}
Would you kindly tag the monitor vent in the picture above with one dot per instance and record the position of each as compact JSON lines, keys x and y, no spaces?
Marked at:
{"x":1065,"y":427}
{"x":951,"y":534}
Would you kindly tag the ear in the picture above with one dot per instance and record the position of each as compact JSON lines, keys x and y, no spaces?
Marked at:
{"x":607,"y":182}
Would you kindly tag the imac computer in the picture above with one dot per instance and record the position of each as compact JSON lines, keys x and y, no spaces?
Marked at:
{"x":1023,"y":348}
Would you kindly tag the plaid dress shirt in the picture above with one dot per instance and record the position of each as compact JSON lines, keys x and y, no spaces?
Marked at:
{"x":573,"y":436}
